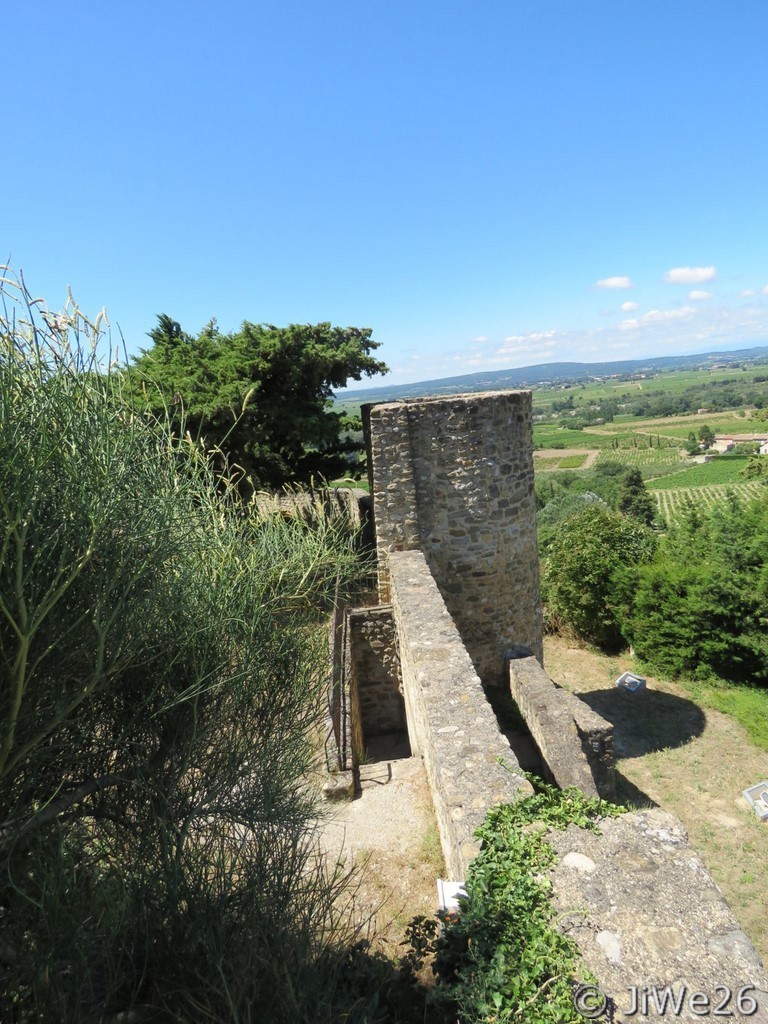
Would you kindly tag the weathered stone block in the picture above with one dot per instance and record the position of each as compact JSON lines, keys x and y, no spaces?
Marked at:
{"x":575,"y":742}
{"x":646,"y":913}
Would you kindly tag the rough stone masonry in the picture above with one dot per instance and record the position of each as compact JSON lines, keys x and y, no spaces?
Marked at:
{"x":453,"y":477}
{"x":454,"y":514}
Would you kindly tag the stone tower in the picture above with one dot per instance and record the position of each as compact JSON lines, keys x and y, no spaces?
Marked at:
{"x":453,"y":477}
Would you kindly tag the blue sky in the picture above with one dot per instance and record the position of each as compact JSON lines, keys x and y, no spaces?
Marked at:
{"x":486,"y":184}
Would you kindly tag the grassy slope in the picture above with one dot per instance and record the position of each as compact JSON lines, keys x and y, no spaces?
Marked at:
{"x":692,"y":749}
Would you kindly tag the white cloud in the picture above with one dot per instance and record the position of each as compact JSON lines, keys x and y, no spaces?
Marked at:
{"x":690,"y":275}
{"x":725,"y":323}
{"x":614,"y":282}
{"x":657,"y":316}
{"x":534,"y":336}
{"x":746,"y":293}
{"x":765,"y":290}
{"x":695,"y":294}
{"x":537,"y":343}
{"x":628,"y":307}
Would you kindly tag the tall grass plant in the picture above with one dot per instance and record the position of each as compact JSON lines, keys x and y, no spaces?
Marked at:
{"x":161,"y":655}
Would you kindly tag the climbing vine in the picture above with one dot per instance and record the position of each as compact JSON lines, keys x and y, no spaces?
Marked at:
{"x":503,"y":960}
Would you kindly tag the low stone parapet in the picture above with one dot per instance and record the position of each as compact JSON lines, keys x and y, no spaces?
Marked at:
{"x":450,"y":722}
{"x":375,"y":685}
{"x":575,"y":742}
{"x":596,"y":734}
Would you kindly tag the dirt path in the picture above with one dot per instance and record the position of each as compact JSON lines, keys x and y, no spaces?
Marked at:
{"x":388,"y":834}
{"x":562,"y":453}
{"x":692,"y":762}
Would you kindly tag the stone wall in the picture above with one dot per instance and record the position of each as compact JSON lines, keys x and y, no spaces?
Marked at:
{"x":575,"y":742}
{"x":454,"y":512}
{"x":375,"y":684}
{"x":646,"y":913}
{"x":453,"y":477}
{"x":450,"y":722}
{"x":338,"y":725}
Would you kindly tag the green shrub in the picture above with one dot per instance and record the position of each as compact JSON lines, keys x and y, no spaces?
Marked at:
{"x":698,"y":608}
{"x":160,"y":656}
{"x":587,"y":572}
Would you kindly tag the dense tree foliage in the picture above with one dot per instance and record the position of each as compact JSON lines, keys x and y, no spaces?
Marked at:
{"x":692,"y":602}
{"x":634,"y":500}
{"x":261,"y":395}
{"x":706,"y":435}
{"x":584,"y":579}
{"x":714,"y":395}
{"x":551,"y":518}
{"x":604,"y":481}
{"x":699,"y":608}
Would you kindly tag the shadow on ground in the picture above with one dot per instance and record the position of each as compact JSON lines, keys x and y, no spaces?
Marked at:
{"x":630,"y":795}
{"x":513,"y":726}
{"x":391,"y":746}
{"x":646,"y":721}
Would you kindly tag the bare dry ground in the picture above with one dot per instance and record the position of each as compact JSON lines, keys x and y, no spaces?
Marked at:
{"x":691,"y":762}
{"x":543,"y":455}
{"x":388,"y":836}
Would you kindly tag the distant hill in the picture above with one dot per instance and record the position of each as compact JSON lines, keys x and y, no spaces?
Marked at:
{"x":547,"y":373}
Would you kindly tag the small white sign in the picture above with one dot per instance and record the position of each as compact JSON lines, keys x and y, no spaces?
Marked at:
{"x":448,"y":895}
{"x":630,"y":682}
{"x":757,"y":798}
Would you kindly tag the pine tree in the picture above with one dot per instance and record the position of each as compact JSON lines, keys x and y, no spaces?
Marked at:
{"x":634,"y":499}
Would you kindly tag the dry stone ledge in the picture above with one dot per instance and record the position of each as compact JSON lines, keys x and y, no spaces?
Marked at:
{"x":646,"y":913}
{"x":450,"y":722}
{"x":575,"y":742}
{"x":596,"y":734}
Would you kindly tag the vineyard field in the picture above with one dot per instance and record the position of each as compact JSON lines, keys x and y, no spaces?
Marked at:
{"x":652,"y":462}
{"x":725,"y":469}
{"x":678,"y":427}
{"x":672,"y":503}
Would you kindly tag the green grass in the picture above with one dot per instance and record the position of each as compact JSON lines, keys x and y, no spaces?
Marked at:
{"x":564,"y":462}
{"x":545,"y":465}
{"x":747,"y":704}
{"x":549,"y":435}
{"x":348,"y":481}
{"x":722,"y":470}
{"x":572,"y":462}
